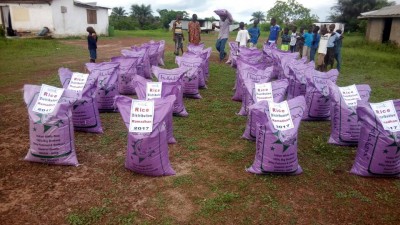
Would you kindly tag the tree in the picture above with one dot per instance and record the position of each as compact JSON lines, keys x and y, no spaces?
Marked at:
{"x":118,"y":11}
{"x":166,"y":16}
{"x":260,"y":16}
{"x":212,"y":18}
{"x":347,"y":11}
{"x":290,"y":12}
{"x":142,"y":13}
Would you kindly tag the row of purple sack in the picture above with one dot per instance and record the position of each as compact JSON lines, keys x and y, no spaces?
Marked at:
{"x":52,"y":135}
{"x":311,"y":95}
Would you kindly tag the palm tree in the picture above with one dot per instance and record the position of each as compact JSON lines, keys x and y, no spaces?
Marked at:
{"x":142,"y":13}
{"x":260,"y":16}
{"x":118,"y":11}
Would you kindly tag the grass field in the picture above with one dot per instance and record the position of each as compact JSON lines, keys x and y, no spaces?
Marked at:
{"x":211,"y":185}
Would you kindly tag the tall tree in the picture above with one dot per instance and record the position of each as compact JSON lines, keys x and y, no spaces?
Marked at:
{"x":142,"y":13}
{"x":347,"y":11}
{"x":118,"y":11}
{"x":166,"y":16}
{"x":260,"y":16}
{"x":290,"y":12}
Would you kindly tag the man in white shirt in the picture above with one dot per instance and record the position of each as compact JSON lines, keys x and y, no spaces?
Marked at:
{"x":322,"y":49}
{"x":223,"y":36}
{"x":243,"y":36}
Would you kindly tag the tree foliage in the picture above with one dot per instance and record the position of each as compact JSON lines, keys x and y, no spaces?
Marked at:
{"x":166,"y":16}
{"x":260,"y":16}
{"x":347,"y":11}
{"x":118,"y":11}
{"x":143,"y":14}
{"x":290,"y":12}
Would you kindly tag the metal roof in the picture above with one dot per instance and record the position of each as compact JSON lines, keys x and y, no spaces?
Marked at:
{"x":389,"y":11}
{"x":27,"y":1}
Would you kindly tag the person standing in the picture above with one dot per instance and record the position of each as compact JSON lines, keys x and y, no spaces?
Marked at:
{"x":178,"y":35}
{"x":338,"y":50}
{"x":194,"y":31}
{"x":308,"y":38}
{"x":254,"y":33}
{"x":242,"y":36}
{"x":223,"y":35}
{"x":330,"y":54}
{"x":322,"y":49}
{"x":273,"y":32}
{"x":285,"y":39}
{"x":92,"y":44}
{"x":300,"y":42}
{"x":314,"y":43}
{"x":293,"y":39}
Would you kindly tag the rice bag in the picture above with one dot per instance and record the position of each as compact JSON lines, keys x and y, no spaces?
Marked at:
{"x":317,"y":95}
{"x":143,"y":64}
{"x":153,"y":52}
{"x":107,"y":84}
{"x":195,"y":48}
{"x":224,"y":12}
{"x":193,"y":61}
{"x":174,"y":77}
{"x":85,"y":112}
{"x":147,"y":149}
{"x":262,"y":91}
{"x":276,"y":144}
{"x":345,"y":129}
{"x":297,"y":79}
{"x":126,"y":71}
{"x":378,"y":152}
{"x":147,"y":90}
{"x":51,"y":131}
{"x":191,"y":81}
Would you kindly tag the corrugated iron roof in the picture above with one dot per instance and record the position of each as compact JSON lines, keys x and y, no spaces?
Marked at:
{"x":390,"y":11}
{"x":26,"y":1}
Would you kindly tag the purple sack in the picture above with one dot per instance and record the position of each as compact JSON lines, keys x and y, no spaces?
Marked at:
{"x":278,"y":91}
{"x":85,"y":113}
{"x":126,"y":71}
{"x":276,"y":149}
{"x":378,"y":152}
{"x":232,"y":57}
{"x":167,"y":90}
{"x":195,"y":48}
{"x":298,"y":80}
{"x":52,"y":134}
{"x":193,"y":61}
{"x":147,"y":153}
{"x":224,"y":12}
{"x":173,"y":77}
{"x":255,"y":113}
{"x":205,"y":55}
{"x":247,"y":71}
{"x":191,"y":81}
{"x":107,"y":84}
{"x":143,"y":63}
{"x":345,"y":129}
{"x":160,"y":52}
{"x":317,"y":95}
{"x":153,"y":52}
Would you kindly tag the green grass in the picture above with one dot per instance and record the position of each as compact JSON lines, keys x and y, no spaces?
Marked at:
{"x":215,"y":186}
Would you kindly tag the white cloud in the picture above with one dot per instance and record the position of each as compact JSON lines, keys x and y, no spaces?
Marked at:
{"x":241,"y":10}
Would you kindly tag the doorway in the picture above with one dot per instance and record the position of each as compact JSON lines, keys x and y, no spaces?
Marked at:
{"x":386,"y":30}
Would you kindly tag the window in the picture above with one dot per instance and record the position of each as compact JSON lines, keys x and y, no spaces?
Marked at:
{"x":91,"y":16}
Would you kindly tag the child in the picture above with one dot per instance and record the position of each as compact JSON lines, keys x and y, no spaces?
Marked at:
{"x":300,"y":42}
{"x":243,"y":36}
{"x":330,"y":54}
{"x":254,"y":33}
{"x":92,"y":44}
{"x":293,"y":39}
{"x":338,"y":50}
{"x":308,"y":38}
{"x":322,"y":48}
{"x":178,"y":35}
{"x":285,"y":39}
{"x":274,"y":32}
{"x":315,"y":43}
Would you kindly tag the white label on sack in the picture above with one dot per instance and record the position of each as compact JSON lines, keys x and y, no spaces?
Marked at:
{"x":142,"y":116}
{"x":264,"y":92}
{"x":78,"y":81}
{"x":386,"y":112}
{"x":153,"y":90}
{"x":350,"y":95}
{"x":48,"y":99}
{"x":280,"y":115}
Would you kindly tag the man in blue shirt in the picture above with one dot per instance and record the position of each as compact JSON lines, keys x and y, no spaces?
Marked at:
{"x":254,"y":33}
{"x":274,"y":32}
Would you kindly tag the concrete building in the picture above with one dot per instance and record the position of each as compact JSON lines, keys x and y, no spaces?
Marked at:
{"x":62,"y":17}
{"x":338,"y":26}
{"x":383,"y":24}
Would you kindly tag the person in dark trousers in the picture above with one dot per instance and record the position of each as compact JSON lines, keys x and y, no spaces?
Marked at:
{"x":285,"y":39}
{"x":300,"y":42}
{"x":222,"y":36}
{"x":338,"y":50}
{"x":92,"y":44}
{"x":330,"y":54}
{"x":177,"y":35}
{"x":314,"y":43}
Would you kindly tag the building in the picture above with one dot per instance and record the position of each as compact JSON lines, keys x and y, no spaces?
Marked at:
{"x":383,"y":24}
{"x":205,"y":25}
{"x":338,"y":26}
{"x":62,"y":17}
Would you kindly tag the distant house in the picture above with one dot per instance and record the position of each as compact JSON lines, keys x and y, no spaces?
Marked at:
{"x":205,"y":25}
{"x":62,"y":17}
{"x":383,"y":24}
{"x":338,"y":26}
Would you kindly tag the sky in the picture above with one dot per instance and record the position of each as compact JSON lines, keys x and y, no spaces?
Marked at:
{"x":240,"y":10}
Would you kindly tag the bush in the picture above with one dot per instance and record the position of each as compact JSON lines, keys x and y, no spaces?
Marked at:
{"x":2,"y":33}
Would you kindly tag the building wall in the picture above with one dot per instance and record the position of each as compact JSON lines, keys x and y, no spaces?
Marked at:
{"x":31,"y":17}
{"x":395,"y":31}
{"x":375,"y":29}
{"x":74,"y":21}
